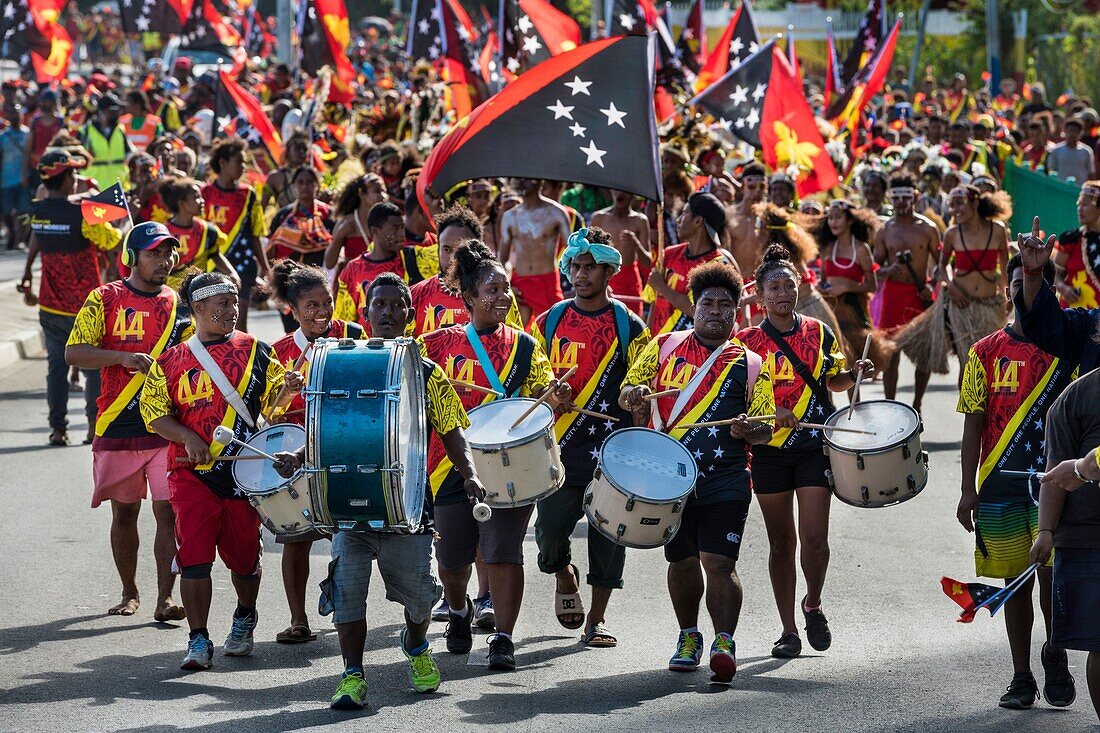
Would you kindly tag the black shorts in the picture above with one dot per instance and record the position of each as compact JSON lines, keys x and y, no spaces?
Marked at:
{"x":1075,"y":624}
{"x":775,"y":470}
{"x":714,"y":528}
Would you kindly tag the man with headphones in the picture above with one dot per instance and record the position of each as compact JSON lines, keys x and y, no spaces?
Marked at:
{"x":121,"y":328}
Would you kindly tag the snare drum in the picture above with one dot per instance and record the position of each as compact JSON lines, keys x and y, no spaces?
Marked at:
{"x":640,"y":485}
{"x":877,"y":470}
{"x":518,"y":466}
{"x":282,"y":503}
{"x":366,"y":434}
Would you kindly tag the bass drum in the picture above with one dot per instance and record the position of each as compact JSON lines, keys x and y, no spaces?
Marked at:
{"x":884,"y":468}
{"x":282,"y":503}
{"x":366,"y":435}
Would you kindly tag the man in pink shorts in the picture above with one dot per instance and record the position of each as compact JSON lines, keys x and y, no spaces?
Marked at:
{"x":122,"y":327}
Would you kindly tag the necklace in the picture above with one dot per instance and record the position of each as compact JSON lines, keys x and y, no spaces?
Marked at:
{"x":359,"y":226}
{"x":851,"y":262}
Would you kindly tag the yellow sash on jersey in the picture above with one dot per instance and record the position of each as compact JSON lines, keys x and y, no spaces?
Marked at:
{"x":1009,"y":431}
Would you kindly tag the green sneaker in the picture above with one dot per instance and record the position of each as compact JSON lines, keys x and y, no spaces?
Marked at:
{"x":423,"y":671}
{"x":350,"y":693}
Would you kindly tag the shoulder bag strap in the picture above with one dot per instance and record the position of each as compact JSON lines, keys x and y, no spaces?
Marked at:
{"x":799,"y":366}
{"x":229,"y":392}
{"x":484,"y":360}
{"x":622,"y":329}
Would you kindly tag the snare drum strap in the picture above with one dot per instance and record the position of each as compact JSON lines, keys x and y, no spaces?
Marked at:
{"x":692,"y":386}
{"x":217,"y":376}
{"x":484,"y":360}
{"x":302,"y":343}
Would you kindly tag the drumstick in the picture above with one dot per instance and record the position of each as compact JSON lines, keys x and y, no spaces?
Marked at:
{"x":658,"y":395}
{"x":1024,"y":474}
{"x":593,"y":413}
{"x":184,"y":459}
{"x":723,"y":423}
{"x":819,"y":426}
{"x":475,"y":387}
{"x":294,"y":367}
{"x":558,"y":381}
{"x":859,"y":377}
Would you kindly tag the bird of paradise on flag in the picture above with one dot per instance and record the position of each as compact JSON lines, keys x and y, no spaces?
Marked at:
{"x":973,"y":597}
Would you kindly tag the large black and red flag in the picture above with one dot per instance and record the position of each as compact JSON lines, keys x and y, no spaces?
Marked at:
{"x":671,"y":72}
{"x":630,"y":17}
{"x":590,"y":111}
{"x":238,"y":112}
{"x":872,"y":29}
{"x":533,"y":31}
{"x":428,"y":21}
{"x":739,"y":41}
{"x":459,"y":60}
{"x":207,"y":28}
{"x":692,"y":45}
{"x":155,"y":16}
{"x":325,"y":34}
{"x":849,"y":105}
{"x":762,"y":102}
{"x":32,"y":34}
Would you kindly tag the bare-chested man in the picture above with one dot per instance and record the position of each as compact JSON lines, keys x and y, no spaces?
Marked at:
{"x":629,"y":230}
{"x":479,"y":195}
{"x":905,"y":248}
{"x":529,"y":238}
{"x":745,"y":245}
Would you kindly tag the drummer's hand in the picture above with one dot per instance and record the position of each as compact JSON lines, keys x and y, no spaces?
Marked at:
{"x":1042,"y":547}
{"x":198,"y":451}
{"x":474,"y":490}
{"x":866,"y":367}
{"x":784,"y":418}
{"x":293,"y":381}
{"x":741,"y":426}
{"x":563,"y":394}
{"x":636,"y":398}
{"x":1061,"y":477}
{"x":136,"y":362}
{"x":968,"y":509}
{"x":287,"y":463}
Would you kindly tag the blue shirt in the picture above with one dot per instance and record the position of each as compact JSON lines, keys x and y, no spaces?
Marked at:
{"x":12,"y":143}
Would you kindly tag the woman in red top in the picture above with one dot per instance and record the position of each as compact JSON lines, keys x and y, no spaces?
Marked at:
{"x":200,"y":241}
{"x":306,"y":291}
{"x":1078,"y":251}
{"x":302,"y":230}
{"x":350,"y":238}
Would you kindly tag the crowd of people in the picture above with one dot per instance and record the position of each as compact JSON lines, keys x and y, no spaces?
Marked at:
{"x":763,"y":303}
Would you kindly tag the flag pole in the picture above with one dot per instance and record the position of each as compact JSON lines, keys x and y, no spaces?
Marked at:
{"x":126,"y":202}
{"x":500,"y":48}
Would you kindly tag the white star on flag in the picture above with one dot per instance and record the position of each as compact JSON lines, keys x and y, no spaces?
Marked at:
{"x":608,"y":425}
{"x":740,"y":95}
{"x":424,"y":26}
{"x":578,"y":129}
{"x":142,"y":23}
{"x":591,"y":429}
{"x":9,"y":11}
{"x":753,"y":47}
{"x":759,"y":91}
{"x":595,"y":453}
{"x":740,"y":123}
{"x":614,"y":116}
{"x":626,"y":21}
{"x":525,"y":25}
{"x":736,"y":45}
{"x":712,"y":432}
{"x":871,"y":43}
{"x":531,"y":45}
{"x":560,"y":110}
{"x":513,"y":64}
{"x":463,"y":33}
{"x":433,"y":52}
{"x":698,"y":455}
{"x":595,"y":155}
{"x":437,"y":14}
{"x":579,"y":87}
{"x":688,"y":33}
{"x":753,"y":117}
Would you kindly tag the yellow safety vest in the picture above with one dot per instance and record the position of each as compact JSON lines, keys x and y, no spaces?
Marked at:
{"x":109,"y":165}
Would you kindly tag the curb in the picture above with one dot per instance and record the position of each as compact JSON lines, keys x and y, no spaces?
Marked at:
{"x":23,"y":345}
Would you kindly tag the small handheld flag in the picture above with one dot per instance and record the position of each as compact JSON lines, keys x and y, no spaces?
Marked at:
{"x":974,"y":596}
{"x":105,"y":206}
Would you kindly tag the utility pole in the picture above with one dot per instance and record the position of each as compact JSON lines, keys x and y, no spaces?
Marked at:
{"x":993,"y":43}
{"x":285,"y":18}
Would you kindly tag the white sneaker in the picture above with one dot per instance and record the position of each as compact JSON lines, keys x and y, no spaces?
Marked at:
{"x":239,"y":642}
{"x":200,"y":654}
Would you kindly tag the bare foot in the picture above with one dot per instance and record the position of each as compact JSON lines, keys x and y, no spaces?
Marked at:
{"x":128,"y":607}
{"x":167,"y":610}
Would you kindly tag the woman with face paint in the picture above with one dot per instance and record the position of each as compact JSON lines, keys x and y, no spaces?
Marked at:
{"x":806,"y":363}
{"x":489,"y":353}
{"x":1077,"y":252}
{"x":182,"y":401}
{"x":971,"y":270}
{"x":306,"y":291}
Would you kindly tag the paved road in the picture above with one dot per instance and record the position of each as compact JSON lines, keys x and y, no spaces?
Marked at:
{"x":899,"y":661}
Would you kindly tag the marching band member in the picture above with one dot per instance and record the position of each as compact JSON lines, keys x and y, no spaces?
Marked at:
{"x":718,"y":379}
{"x":1008,"y":386}
{"x":122,"y":327}
{"x":490,"y":354}
{"x":218,"y":377}
{"x":306,"y":291}
{"x":602,"y":337}
{"x":201,"y":243}
{"x":806,"y":363}
{"x":404,"y":561}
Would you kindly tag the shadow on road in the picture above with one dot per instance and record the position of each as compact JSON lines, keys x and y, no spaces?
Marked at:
{"x":21,"y":638}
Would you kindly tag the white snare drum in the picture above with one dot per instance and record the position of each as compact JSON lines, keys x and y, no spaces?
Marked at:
{"x":282,"y":503}
{"x":517,"y":466}
{"x":639,"y":487}
{"x":877,"y":470}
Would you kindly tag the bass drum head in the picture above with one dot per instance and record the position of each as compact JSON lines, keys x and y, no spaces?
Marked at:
{"x":491,"y":423}
{"x":410,"y":446}
{"x":648,"y":464}
{"x":890,"y":422}
{"x":260,"y":477}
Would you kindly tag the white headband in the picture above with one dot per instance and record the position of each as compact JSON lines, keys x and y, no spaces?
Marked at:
{"x":209,"y":291}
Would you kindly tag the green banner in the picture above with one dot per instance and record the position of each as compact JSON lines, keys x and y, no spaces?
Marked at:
{"x":1035,"y":194}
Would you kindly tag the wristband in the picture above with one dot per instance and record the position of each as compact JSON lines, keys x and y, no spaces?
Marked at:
{"x":1077,"y":474}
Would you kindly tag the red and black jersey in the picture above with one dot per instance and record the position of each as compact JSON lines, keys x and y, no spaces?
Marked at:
{"x":1013,"y":383}
{"x":520,"y":364}
{"x":663,"y":316}
{"x":816,"y":346}
{"x":237,"y":212}
{"x":436,"y":307}
{"x":289,"y":348}
{"x":590,"y":341}
{"x":119,"y":317}
{"x":411,"y":264}
{"x":67,"y":245}
{"x":177,"y":385}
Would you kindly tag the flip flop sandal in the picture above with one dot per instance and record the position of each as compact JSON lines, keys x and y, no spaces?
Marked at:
{"x":295,"y":635}
{"x":599,"y":636}
{"x":570,"y":604}
{"x":61,"y":439}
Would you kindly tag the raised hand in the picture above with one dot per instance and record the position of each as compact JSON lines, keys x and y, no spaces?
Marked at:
{"x":1034,"y":252}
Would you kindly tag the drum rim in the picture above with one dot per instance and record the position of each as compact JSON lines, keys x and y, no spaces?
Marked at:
{"x":403,"y":351}
{"x":859,"y":505}
{"x":632,"y":545}
{"x":631,"y":494}
{"x":286,"y":481}
{"x":877,"y":449}
{"x":519,"y":441}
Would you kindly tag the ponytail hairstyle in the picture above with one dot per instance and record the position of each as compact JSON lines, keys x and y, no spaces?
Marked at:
{"x":196,"y":279}
{"x":784,"y":229}
{"x":469,"y":262}
{"x":289,"y":279}
{"x":348,"y":201}
{"x":776,"y":259}
{"x":173,"y":190}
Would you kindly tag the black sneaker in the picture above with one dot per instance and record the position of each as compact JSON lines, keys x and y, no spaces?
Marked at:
{"x":788,"y":646}
{"x":1058,"y":686}
{"x":459,"y":637}
{"x":1022,"y":692}
{"x":502,"y":654}
{"x":817,"y":629}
